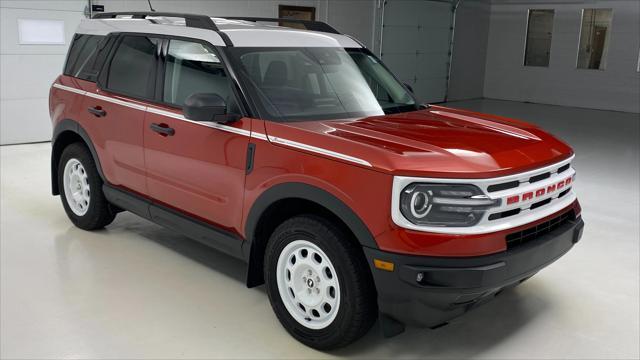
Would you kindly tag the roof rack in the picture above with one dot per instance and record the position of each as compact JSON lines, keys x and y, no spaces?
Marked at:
{"x":191,"y":20}
{"x":206,"y":22}
{"x":308,"y":24}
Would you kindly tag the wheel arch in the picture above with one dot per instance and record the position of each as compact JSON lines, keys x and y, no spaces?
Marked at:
{"x":66,"y":132}
{"x":285,"y":200}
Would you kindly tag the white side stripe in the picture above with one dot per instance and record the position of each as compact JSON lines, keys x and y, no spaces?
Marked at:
{"x":117,"y":101}
{"x":202,"y":123}
{"x":243,"y":132}
{"x":73,"y":90}
{"x":318,"y":150}
{"x":260,"y":136}
{"x":166,"y":113}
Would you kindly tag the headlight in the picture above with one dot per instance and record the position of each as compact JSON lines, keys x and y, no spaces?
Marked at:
{"x":444,"y":205}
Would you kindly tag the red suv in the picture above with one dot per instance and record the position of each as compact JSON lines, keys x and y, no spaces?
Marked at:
{"x":298,"y":151}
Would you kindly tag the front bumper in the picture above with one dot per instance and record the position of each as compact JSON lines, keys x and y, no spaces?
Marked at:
{"x":452,"y":286}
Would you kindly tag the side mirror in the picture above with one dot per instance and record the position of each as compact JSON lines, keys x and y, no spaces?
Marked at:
{"x":409,"y":87}
{"x":207,"y":107}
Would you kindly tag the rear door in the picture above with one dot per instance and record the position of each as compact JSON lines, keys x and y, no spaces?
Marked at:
{"x":195,"y":167}
{"x":115,"y":110}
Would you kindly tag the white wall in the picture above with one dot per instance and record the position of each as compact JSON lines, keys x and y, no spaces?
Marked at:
{"x":355,"y":17}
{"x":27,"y":71}
{"x":615,"y":88}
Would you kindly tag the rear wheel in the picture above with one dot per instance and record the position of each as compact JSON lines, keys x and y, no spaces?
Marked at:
{"x":318,"y":283}
{"x":81,"y":189}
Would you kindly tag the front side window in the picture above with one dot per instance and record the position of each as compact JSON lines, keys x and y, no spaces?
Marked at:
{"x":193,"y":68}
{"x":290,"y":84}
{"x":595,"y":33}
{"x":539,"y":34}
{"x":132,"y":70}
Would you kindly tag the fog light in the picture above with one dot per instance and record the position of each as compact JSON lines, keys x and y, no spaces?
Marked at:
{"x":419,"y":277}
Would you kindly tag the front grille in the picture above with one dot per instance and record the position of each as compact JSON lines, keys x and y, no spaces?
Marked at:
{"x":535,"y":232}
{"x":563,"y":168}
{"x":563,"y":193}
{"x":539,"y":177}
{"x":530,"y":180}
{"x":504,"y":214}
{"x":503,"y":186}
{"x":540,"y":203}
{"x":514,"y":212}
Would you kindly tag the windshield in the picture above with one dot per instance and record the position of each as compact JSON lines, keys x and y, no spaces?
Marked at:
{"x":293,"y":84}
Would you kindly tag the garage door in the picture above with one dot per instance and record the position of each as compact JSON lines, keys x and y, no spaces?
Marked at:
{"x":415,"y":45}
{"x":30,"y":59}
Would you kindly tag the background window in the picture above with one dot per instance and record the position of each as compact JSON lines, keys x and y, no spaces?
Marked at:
{"x":133,"y":66}
{"x":539,"y":31}
{"x":296,"y":12}
{"x":594,"y":38}
{"x":193,"y":68}
{"x":40,"y":32}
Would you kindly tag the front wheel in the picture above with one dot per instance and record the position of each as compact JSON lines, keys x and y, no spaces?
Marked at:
{"x":81,"y":189}
{"x":318,"y":283}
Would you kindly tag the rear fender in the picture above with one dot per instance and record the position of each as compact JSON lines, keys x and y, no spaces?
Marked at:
{"x":66,"y":132}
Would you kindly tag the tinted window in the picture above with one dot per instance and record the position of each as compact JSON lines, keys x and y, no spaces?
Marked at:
{"x":132,"y":70}
{"x":387,"y":91}
{"x":193,"y":68}
{"x":82,"y":55}
{"x":292,"y":84}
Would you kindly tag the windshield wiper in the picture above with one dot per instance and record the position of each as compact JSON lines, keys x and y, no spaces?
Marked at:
{"x":397,"y":109}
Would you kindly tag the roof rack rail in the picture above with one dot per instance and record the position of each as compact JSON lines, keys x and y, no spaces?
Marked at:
{"x":308,"y":24}
{"x":191,"y":20}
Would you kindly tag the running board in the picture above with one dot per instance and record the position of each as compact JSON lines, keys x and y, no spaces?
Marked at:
{"x":195,"y":229}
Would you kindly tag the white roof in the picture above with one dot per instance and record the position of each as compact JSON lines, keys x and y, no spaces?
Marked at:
{"x":241,"y":33}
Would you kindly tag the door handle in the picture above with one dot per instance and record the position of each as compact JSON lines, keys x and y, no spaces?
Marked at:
{"x":162,"y":129}
{"x":97,"y":111}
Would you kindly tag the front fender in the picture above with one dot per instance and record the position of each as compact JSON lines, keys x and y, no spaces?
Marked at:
{"x":253,"y":247}
{"x":319,"y":196}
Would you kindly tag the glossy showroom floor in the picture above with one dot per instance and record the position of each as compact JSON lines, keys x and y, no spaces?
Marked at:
{"x":135,"y":290}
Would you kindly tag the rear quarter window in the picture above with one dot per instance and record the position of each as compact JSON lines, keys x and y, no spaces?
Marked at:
{"x":81,"y":61}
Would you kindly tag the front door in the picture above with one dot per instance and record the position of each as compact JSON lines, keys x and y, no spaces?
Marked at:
{"x":195,"y":167}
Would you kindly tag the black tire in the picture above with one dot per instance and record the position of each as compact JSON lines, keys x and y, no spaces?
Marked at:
{"x":357,"y":311}
{"x":99,"y":213}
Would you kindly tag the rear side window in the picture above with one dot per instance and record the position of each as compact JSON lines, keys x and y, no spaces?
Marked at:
{"x":81,"y":62}
{"x":133,"y":66}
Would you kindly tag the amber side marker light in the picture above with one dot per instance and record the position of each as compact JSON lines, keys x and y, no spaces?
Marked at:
{"x":383,"y":265}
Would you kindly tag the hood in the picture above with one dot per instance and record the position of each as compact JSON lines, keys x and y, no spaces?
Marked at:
{"x":435,"y":142}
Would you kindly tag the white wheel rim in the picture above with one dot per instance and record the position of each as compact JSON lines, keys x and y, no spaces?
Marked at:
{"x":308,"y":285}
{"x":76,"y":187}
